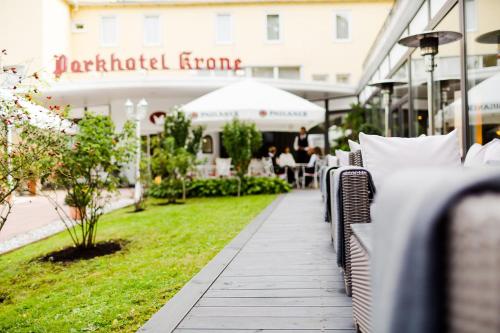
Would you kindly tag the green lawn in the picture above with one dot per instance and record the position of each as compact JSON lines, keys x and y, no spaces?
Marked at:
{"x":118,"y":293}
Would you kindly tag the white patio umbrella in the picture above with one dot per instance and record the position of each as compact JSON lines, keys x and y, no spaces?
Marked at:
{"x":484,"y":103}
{"x":38,"y":115}
{"x":270,"y":108}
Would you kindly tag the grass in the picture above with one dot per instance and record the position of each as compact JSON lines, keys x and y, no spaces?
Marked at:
{"x":118,"y":293}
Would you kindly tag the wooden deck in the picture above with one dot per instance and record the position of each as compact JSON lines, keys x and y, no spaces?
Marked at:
{"x":281,"y":278}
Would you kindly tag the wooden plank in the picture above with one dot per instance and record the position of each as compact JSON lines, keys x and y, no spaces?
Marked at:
{"x":249,"y":311}
{"x":279,"y":278}
{"x":276,"y":293}
{"x":284,"y":301}
{"x":256,"y":284}
{"x":184,"y":330}
{"x":259,"y":323}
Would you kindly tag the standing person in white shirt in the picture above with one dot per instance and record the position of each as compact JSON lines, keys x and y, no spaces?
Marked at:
{"x":301,"y":146}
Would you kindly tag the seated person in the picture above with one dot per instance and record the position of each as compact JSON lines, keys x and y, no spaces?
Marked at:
{"x":272,"y":155}
{"x":286,"y":159}
{"x":287,"y":162}
{"x":314,"y":155}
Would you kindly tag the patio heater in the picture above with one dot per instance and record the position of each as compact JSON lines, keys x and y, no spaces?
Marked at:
{"x":428,"y":42}
{"x":386,"y":89}
{"x":492,"y":37}
{"x":137,"y":114}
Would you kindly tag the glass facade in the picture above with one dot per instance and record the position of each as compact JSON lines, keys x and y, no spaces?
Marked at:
{"x":482,"y":27}
{"x":475,"y":66}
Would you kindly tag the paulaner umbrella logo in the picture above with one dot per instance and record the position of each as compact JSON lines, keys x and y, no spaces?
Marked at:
{"x":263,"y":113}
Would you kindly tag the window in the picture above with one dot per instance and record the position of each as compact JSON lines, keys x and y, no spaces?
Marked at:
{"x":109,"y":33}
{"x":207,"y":145}
{"x":289,"y":73}
{"x":483,"y":72}
{"x":342,"y":26}
{"x":342,"y":78}
{"x":470,"y":15}
{"x":152,"y":30}
{"x":320,"y":77}
{"x":420,"y":20}
{"x":273,"y":27}
{"x":263,"y":72}
{"x":223,"y":29}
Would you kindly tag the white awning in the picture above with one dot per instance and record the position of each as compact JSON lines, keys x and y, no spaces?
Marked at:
{"x":484,"y":103}
{"x":38,"y":115}
{"x":270,"y":108}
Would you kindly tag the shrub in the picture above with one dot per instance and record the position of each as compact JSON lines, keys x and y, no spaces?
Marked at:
{"x":174,"y":155}
{"x":220,"y":187}
{"x":89,"y":172}
{"x":241,"y":141}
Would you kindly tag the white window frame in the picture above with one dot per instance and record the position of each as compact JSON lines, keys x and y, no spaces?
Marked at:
{"x":160,"y":28}
{"x":280,"y":28}
{"x":347,"y":15}
{"x":102,"y":31}
{"x":468,"y":5}
{"x":230,"y":41}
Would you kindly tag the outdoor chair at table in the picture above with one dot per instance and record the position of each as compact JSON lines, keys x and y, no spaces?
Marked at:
{"x":256,"y":167}
{"x":223,"y":170}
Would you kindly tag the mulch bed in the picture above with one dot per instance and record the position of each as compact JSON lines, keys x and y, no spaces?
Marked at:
{"x":70,"y":254}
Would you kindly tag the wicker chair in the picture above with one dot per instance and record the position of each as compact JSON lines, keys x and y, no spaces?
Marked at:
{"x":468,"y":283}
{"x":473,"y":275}
{"x":350,"y":202}
{"x":361,"y":253}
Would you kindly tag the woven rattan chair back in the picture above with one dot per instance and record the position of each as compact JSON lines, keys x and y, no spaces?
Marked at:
{"x":355,"y":158}
{"x":473,"y":275}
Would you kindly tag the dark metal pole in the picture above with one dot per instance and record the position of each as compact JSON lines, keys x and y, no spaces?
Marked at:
{"x":466,"y":131}
{"x":327,"y":127}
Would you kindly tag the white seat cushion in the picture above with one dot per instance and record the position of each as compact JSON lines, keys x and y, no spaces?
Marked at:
{"x":384,"y":156}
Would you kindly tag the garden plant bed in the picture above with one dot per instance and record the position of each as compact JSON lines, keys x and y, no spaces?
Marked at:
{"x":119,"y":292}
{"x":72,"y":253}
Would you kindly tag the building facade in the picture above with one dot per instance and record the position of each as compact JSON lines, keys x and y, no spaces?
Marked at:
{"x":467,"y":73}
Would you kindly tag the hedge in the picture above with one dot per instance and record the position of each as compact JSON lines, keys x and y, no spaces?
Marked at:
{"x":220,"y":187}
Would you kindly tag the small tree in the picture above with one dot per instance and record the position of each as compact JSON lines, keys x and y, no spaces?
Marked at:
{"x":241,"y":141}
{"x":89,"y":172}
{"x":355,"y":122}
{"x":175,"y":153}
{"x":26,"y":151}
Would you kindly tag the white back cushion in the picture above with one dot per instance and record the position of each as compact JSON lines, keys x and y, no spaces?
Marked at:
{"x":474,"y":156}
{"x":479,"y":155}
{"x":492,"y":154}
{"x":343,"y":157}
{"x":354,"y":146}
{"x":384,"y":156}
{"x":332,"y":160}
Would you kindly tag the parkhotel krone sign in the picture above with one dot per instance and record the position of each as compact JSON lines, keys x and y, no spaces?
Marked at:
{"x":113,"y":63}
